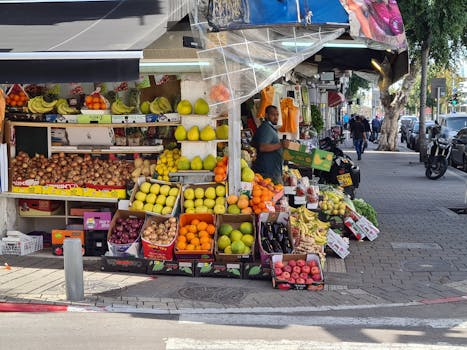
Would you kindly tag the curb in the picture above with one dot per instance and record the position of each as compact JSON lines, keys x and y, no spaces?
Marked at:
{"x":31,"y":307}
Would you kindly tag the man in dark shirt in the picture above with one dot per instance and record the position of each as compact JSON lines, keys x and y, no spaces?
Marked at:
{"x":358,"y":134}
{"x":269,"y":160}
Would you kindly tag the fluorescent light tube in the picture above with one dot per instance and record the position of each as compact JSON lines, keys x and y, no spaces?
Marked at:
{"x":74,"y":55}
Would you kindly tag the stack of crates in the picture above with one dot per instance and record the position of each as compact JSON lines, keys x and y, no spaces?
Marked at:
{"x":96,"y":227}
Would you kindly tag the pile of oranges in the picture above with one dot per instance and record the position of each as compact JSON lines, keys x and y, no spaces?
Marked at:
{"x":220,"y":171}
{"x":18,"y":99}
{"x":197,"y":235}
{"x":95,"y":101}
{"x":263,"y":192}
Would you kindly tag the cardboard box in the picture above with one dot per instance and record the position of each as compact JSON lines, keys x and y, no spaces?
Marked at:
{"x":255,"y":271}
{"x":104,"y":191}
{"x":234,"y":221}
{"x":285,"y":285}
{"x":85,"y":136}
{"x":62,"y":189}
{"x":124,"y":264}
{"x":214,"y":269}
{"x":58,"y":236}
{"x":96,"y":243}
{"x":97,"y":221}
{"x":199,"y":255}
{"x":141,"y":180}
{"x":128,"y":119}
{"x":156,"y":251}
{"x":39,"y":207}
{"x":322,"y":160}
{"x":94,"y":119}
{"x":58,"y":118}
{"x":129,"y":249}
{"x":81,"y":211}
{"x":204,"y":186}
{"x":175,"y":268}
{"x":294,"y":146}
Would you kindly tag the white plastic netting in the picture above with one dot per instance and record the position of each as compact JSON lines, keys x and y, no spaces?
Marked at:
{"x":237,"y":64}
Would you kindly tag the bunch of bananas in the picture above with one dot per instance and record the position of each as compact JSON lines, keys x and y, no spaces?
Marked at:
{"x":160,"y":105}
{"x":310,"y":226}
{"x":39,"y":105}
{"x":64,"y":108}
{"x":118,"y":107}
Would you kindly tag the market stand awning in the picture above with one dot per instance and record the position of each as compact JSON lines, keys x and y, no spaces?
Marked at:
{"x":82,"y":41}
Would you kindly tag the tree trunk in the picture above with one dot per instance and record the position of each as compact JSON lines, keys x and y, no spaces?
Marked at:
{"x":423,"y":80}
{"x":392,"y":105}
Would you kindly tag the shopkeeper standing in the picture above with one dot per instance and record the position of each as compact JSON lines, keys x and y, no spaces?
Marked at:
{"x":268,"y":161}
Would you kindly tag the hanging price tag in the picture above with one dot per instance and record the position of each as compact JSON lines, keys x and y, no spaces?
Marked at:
{"x":337,"y":244}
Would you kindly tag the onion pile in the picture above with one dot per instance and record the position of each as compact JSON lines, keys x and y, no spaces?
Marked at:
{"x":73,"y":168}
{"x":126,"y":230}
{"x":162,"y":233}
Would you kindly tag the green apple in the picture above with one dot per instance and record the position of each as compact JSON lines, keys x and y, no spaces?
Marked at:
{"x":157,"y":208}
{"x":145,"y":187}
{"x":165,"y":190}
{"x":199,"y":202}
{"x":199,"y":193}
{"x":189,"y":193}
{"x":141,"y":196}
{"x":137,"y":205}
{"x":173,"y":192}
{"x":210,"y":193}
{"x":220,"y":191}
{"x":155,"y":188}
{"x":148,"y":207}
{"x":151,"y":198}
{"x":167,"y":210}
{"x":170,"y":201}
{"x":161,"y":199}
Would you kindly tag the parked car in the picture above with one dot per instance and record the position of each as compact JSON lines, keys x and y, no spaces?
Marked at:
{"x":459,"y":149}
{"x":451,"y":124}
{"x":404,"y":123}
{"x":413,"y":141}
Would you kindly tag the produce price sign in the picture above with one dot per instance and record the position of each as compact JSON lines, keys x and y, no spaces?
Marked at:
{"x":337,"y":244}
{"x":356,"y":230}
{"x":371,"y":232}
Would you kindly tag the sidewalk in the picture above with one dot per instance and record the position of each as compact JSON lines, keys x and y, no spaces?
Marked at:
{"x":419,"y":257}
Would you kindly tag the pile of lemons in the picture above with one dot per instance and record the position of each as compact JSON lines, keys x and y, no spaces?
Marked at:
{"x":167,"y":163}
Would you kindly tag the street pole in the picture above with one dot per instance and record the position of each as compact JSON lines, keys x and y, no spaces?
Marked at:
{"x":73,"y":266}
{"x":437,"y":103}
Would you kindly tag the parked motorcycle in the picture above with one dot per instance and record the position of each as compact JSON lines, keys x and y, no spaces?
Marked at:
{"x":344,"y":172}
{"x":439,"y":150}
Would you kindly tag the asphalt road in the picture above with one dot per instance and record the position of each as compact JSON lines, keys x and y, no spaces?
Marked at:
{"x":441,"y":326}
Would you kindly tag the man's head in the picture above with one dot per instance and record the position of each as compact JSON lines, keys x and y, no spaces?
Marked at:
{"x":272,"y":114}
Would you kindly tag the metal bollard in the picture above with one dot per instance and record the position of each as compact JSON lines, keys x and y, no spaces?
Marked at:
{"x":73,"y":262}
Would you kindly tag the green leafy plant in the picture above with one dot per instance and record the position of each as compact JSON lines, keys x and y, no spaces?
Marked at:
{"x":365,"y":209}
{"x":316,"y":118}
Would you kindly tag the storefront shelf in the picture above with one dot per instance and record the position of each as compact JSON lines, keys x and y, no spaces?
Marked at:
{"x":59,"y":198}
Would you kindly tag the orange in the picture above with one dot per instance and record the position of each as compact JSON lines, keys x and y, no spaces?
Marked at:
{"x":96,"y":99}
{"x":197,"y":247}
{"x":96,"y":105}
{"x":183,"y":231}
{"x":257,"y":211}
{"x":181,"y":239}
{"x":190,"y":236}
{"x":202,"y":234}
{"x":88,"y":99}
{"x":256,"y":200}
{"x":211,"y":229}
{"x":181,"y":245}
{"x":204,"y":240}
{"x":219,"y":178}
{"x":206,"y":246}
{"x":190,"y":247}
{"x":261,"y":205}
{"x":192,"y":229}
{"x":103,"y":105}
{"x":202,"y":226}
{"x":195,"y":241}
{"x":195,"y":222}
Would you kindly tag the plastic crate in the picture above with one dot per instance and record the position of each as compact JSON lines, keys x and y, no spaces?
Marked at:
{"x":21,"y":244}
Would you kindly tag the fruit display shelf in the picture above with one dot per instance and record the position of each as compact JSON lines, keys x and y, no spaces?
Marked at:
{"x":61,"y":198}
{"x":106,"y":149}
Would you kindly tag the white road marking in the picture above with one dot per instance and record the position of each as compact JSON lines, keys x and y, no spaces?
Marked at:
{"x":255,"y":344}
{"x":281,"y":320}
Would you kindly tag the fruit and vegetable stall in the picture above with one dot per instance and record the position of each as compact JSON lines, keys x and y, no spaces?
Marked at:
{"x":141,"y":176}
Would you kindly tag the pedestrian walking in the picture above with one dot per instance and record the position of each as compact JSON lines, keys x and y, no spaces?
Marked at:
{"x":366,"y":125}
{"x":376,"y":128}
{"x":357,"y":130}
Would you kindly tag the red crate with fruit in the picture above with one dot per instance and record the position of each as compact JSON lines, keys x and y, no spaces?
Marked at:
{"x":301,"y":272}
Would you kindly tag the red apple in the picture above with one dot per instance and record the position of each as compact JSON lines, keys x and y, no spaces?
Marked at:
{"x":279,"y":265}
{"x":287,"y":268}
{"x":281,"y":278}
{"x":297,"y":269}
{"x":285,"y":275}
{"x":300,"y":280}
{"x":314,"y":270}
{"x":304,"y":275}
{"x":58,"y":251}
{"x":291,"y":280}
{"x":278,"y":271}
{"x":312,"y":263}
{"x":301,"y":263}
{"x":284,"y":286}
{"x":292,"y":263}
{"x":309,"y":281}
{"x":294,"y":275}
{"x":316,"y":277}
{"x":306,"y":269}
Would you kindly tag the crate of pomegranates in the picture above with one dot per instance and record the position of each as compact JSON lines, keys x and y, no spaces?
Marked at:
{"x":123,"y":237}
{"x":299,"y":272}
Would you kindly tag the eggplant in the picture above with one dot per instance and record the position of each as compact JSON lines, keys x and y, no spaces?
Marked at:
{"x":266,"y":244}
{"x":286,"y":246}
{"x":276,"y":246}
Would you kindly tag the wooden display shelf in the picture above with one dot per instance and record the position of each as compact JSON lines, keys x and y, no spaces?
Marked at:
{"x":60,"y":216}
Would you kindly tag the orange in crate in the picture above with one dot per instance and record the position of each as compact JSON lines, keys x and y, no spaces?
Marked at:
{"x":195,"y":240}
